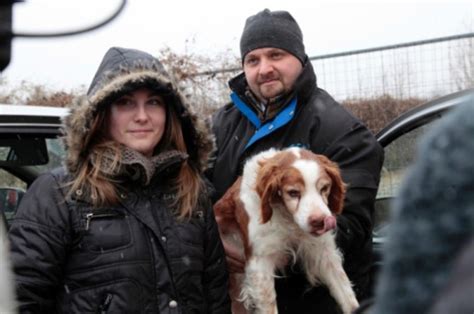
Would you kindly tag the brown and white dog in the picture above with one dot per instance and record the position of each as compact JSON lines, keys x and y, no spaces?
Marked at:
{"x":283,"y":209}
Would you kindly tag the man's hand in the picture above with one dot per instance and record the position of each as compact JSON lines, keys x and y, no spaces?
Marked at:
{"x":235,"y":258}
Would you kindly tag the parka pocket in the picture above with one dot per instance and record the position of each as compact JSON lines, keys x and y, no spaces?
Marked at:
{"x":188,"y":276}
{"x":192,"y":230}
{"x":106,"y":230}
{"x":119,"y":296}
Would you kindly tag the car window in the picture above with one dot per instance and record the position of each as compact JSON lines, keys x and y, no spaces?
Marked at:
{"x":12,"y":188}
{"x":55,"y":153}
{"x":9,"y":180}
{"x":11,"y":192}
{"x":399,"y":154}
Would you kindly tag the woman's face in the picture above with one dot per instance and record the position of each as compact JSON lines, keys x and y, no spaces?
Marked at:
{"x":137,"y":120}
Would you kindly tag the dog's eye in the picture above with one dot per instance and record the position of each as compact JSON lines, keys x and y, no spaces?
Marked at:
{"x":294,"y":193}
{"x":325,"y":189}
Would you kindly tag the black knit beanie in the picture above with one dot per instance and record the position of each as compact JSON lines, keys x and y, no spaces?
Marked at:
{"x":277,"y":29}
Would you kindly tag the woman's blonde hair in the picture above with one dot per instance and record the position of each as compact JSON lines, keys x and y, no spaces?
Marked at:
{"x":103,"y":190}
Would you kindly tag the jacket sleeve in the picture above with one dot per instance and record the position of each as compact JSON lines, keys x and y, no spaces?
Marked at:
{"x":216,"y":278}
{"x":38,"y":240}
{"x":215,"y":122}
{"x":354,"y":148}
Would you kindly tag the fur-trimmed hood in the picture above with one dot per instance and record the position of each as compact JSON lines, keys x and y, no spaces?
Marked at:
{"x":123,"y":70}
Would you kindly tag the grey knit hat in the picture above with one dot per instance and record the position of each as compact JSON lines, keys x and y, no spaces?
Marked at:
{"x":276,"y":29}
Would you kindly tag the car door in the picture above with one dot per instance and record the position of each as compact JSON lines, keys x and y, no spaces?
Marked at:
{"x":400,"y":139}
{"x":29,"y":145}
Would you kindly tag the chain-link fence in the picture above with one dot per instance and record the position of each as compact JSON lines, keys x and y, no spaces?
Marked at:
{"x":417,"y":69}
{"x":422,"y":69}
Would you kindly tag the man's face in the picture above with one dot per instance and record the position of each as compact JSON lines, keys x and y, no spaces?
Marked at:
{"x":271,"y":72}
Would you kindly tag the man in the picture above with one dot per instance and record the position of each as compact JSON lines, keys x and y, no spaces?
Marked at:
{"x":276,"y":103}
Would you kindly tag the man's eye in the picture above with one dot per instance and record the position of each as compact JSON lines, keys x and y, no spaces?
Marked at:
{"x":276,"y":55}
{"x":251,"y":61}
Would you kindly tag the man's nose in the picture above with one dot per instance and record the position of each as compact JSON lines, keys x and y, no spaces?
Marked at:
{"x":266,"y":67}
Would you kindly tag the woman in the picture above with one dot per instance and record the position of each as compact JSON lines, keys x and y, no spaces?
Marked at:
{"x":127,"y":226}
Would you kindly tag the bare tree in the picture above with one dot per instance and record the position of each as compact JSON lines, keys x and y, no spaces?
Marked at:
{"x":206,"y":92}
{"x":27,"y":93}
{"x":463,"y":65}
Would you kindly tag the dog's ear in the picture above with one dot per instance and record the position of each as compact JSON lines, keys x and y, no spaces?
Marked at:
{"x":267,"y":188}
{"x":338,"y":187}
{"x":226,"y":208}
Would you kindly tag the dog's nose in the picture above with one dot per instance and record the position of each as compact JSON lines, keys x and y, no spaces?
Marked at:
{"x":321,"y":224}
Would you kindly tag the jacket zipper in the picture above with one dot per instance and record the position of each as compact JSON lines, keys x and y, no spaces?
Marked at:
{"x":105,"y":304}
{"x":99,"y":215}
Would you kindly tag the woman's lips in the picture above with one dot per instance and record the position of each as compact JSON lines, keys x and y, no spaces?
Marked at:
{"x":140,"y":132}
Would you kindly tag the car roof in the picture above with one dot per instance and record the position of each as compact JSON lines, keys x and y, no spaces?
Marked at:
{"x":423,"y":114}
{"x":27,"y":110}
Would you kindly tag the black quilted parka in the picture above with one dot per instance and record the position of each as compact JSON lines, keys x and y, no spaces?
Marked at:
{"x":132,"y":257}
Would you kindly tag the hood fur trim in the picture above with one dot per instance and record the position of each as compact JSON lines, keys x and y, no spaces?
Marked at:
{"x":83,"y":110}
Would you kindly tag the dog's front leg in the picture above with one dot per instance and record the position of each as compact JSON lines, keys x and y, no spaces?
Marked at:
{"x":323,"y":264}
{"x":335,"y":278}
{"x":258,"y":289}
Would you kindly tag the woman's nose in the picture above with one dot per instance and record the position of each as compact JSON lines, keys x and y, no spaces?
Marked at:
{"x":141,"y":113}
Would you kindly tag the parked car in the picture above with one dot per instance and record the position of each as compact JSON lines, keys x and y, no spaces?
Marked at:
{"x":30,"y":144}
{"x":399,"y":139}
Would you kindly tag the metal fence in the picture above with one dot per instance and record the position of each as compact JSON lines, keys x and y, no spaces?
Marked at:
{"x":422,"y":69}
{"x":417,"y":69}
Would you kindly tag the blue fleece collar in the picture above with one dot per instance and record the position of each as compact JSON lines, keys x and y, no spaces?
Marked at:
{"x":285,"y":116}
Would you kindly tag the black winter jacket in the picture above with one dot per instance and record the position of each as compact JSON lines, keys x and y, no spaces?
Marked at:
{"x":134,"y":257}
{"x":317,"y":122}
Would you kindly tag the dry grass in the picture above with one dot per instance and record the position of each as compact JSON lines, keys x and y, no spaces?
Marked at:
{"x":55,"y":99}
{"x":378,"y":112}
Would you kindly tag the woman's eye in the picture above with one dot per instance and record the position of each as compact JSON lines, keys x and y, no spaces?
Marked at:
{"x":124,"y":102}
{"x":155,"y":102}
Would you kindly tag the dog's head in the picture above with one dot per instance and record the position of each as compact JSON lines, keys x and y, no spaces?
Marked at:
{"x":307,"y":185}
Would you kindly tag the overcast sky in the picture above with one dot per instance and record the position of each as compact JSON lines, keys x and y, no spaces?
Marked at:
{"x":212,"y":27}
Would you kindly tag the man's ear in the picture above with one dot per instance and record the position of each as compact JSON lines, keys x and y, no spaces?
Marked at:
{"x":338,"y":187}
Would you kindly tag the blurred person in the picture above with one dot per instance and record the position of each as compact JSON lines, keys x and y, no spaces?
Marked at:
{"x":12,"y":201}
{"x":127,"y":225}
{"x":276,"y":103}
{"x":432,"y":223}
{"x":456,"y":295}
{"x":7,"y":295}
